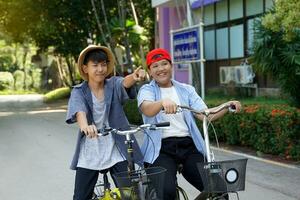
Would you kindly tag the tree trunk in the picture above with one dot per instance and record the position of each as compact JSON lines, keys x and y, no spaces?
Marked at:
{"x":126,"y":41}
{"x":99,"y":24}
{"x":70,"y":71}
{"x":59,"y":67}
{"x":25,"y":52}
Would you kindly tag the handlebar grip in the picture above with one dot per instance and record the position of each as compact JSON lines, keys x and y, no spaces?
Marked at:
{"x":162,"y":124}
{"x":232,"y":108}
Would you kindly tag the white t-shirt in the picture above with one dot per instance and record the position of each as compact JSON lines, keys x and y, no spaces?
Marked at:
{"x":101,"y":152}
{"x":178,"y":127}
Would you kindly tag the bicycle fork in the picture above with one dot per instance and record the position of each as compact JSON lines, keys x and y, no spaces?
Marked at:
{"x":209,"y":154}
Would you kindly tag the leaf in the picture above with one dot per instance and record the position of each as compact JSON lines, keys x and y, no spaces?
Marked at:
{"x":129,"y":23}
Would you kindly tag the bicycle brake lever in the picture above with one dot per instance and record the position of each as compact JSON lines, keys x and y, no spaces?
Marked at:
{"x":104,"y":131}
{"x":178,"y":109}
{"x":152,"y":127}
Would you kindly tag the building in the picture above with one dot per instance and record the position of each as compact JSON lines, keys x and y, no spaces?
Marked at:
{"x":228,"y":34}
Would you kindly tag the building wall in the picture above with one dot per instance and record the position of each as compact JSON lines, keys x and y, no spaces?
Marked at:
{"x":228,"y":35}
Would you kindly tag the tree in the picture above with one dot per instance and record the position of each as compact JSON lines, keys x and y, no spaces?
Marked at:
{"x":284,"y":18}
{"x":68,"y":25}
{"x":277,"y":50}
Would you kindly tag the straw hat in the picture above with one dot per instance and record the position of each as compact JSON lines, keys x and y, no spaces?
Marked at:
{"x":82,"y":54}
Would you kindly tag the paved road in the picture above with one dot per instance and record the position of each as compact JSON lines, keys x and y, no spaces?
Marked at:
{"x":20,"y":101}
{"x":36,"y":147}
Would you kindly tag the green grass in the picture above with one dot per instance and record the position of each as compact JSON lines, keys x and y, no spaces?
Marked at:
{"x":60,"y":93}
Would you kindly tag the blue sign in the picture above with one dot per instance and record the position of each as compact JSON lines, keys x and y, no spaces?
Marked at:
{"x":186,"y":45}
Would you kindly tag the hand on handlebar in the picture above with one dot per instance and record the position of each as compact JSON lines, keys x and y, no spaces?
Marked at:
{"x":234,"y":106}
{"x":90,"y":131}
{"x":169,"y":106}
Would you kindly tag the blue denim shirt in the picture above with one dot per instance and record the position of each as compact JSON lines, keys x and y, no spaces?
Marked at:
{"x":115,"y":96}
{"x":188,"y":97}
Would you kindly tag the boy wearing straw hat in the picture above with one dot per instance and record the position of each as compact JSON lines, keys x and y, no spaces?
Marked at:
{"x":94,"y":104}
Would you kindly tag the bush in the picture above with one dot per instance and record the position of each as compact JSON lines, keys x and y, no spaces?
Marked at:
{"x":269,"y":129}
{"x":132,"y":112}
{"x":19,"y":80}
{"x":6,"y":81}
{"x":60,"y":93}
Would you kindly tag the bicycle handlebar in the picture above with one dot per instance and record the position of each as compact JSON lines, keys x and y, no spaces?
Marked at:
{"x":208,"y":112}
{"x":106,"y":131}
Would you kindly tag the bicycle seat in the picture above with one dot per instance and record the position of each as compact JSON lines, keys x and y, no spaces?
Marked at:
{"x":103,"y":171}
{"x":179,"y":168}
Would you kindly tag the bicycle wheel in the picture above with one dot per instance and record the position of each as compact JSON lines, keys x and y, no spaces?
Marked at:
{"x":181,"y":194}
{"x":211,"y":196}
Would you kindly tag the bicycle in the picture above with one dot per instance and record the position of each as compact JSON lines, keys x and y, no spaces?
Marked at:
{"x":135,"y":184}
{"x":219,"y":178}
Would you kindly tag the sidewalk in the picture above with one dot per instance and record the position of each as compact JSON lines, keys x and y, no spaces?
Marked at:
{"x":27,"y":102}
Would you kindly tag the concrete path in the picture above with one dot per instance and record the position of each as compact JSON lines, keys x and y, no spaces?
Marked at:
{"x":8,"y":102}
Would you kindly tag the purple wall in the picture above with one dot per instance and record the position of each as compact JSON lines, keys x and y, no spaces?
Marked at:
{"x":168,"y":19}
{"x":164,"y":28}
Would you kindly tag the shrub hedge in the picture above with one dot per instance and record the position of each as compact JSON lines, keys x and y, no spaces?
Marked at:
{"x":273,"y":129}
{"x":6,"y":81}
{"x":59,"y":93}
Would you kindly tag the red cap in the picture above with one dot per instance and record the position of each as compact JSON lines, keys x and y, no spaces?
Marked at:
{"x":157,"y":55}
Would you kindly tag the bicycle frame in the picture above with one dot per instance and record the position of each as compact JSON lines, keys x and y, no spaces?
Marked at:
{"x":209,"y":154}
{"x":206,"y":113}
{"x":129,"y":142}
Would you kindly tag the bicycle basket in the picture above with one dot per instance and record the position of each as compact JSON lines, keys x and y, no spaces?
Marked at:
{"x":223,"y":176}
{"x":147,"y":183}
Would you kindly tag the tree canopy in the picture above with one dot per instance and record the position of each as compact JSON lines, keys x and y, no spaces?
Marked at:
{"x":284,"y":18}
{"x":277,"y":46}
{"x":69,"y":25}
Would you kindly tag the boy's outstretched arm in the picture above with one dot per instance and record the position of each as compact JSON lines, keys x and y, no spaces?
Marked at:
{"x":138,"y":75}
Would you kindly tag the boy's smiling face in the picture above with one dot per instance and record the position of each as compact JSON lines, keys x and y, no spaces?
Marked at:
{"x":161,"y":72}
{"x":96,"y":71}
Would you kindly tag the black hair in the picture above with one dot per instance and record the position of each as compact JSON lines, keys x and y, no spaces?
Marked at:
{"x":96,"y":55}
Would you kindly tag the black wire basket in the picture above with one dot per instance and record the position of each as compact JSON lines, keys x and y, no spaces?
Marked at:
{"x":223,"y":176}
{"x":141,"y":184}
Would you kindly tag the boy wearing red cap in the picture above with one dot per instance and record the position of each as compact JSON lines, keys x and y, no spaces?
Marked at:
{"x":182,"y":143}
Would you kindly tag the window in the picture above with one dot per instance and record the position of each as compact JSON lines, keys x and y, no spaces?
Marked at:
{"x":209,"y":45}
{"x":222,"y":43}
{"x":254,"y":7}
{"x":250,"y":33}
{"x":209,"y":15}
{"x":236,"y":9}
{"x":237,"y":41}
{"x":230,"y":35}
{"x":222,"y":11}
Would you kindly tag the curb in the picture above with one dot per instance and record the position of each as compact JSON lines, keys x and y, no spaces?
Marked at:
{"x":291,"y":166}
